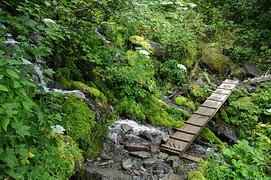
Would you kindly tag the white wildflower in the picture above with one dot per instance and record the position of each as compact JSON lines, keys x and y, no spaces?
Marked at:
{"x":263,"y":125}
{"x":185,"y":8}
{"x":144,"y":52}
{"x":269,"y":110}
{"x":47,"y":20}
{"x":192,"y":5}
{"x":58,"y":129}
{"x":182,"y":67}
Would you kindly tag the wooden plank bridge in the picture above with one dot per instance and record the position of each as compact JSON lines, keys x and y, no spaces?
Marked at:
{"x":184,"y":136}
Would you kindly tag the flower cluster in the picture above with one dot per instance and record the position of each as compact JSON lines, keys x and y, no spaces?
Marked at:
{"x":182,"y":67}
{"x":47,"y":20}
{"x":58,"y":129}
{"x":144,"y":52}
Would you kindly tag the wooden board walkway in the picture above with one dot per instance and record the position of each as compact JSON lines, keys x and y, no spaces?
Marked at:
{"x":184,"y":136}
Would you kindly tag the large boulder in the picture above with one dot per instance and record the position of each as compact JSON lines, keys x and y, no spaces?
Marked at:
{"x":251,"y":70}
{"x":149,"y":46}
{"x":214,"y":60}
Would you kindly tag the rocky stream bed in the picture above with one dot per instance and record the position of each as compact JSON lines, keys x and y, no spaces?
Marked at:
{"x":132,"y":151}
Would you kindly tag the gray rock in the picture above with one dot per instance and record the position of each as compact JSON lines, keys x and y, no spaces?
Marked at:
{"x":150,"y":162}
{"x":97,"y":173}
{"x":126,"y":128}
{"x":137,"y":147}
{"x":171,"y":177}
{"x":226,"y":131}
{"x":155,"y":148}
{"x":127,"y":164}
{"x":162,"y":155}
{"x":141,"y":154}
{"x":251,"y":70}
{"x":105,"y":156}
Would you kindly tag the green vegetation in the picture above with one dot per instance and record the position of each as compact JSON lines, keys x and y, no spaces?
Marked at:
{"x":124,"y":56}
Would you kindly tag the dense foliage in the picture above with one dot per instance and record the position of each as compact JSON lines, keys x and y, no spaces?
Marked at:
{"x":126,"y":55}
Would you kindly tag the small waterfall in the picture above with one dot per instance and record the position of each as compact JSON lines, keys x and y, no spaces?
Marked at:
{"x":137,"y":129}
{"x":39,"y":79}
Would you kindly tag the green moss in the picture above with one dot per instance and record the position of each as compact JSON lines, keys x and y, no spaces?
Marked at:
{"x":63,"y":76}
{"x":186,"y":114}
{"x":224,"y":116}
{"x":161,"y":117}
{"x":191,"y":105}
{"x":141,"y":42}
{"x":81,"y":121}
{"x":196,"y":175}
{"x":180,"y":100}
{"x":94,"y":93}
{"x":211,"y":137}
{"x":131,"y":108}
{"x":60,"y":161}
{"x":213,"y":57}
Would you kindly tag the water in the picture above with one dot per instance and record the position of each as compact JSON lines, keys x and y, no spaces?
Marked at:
{"x":115,"y":129}
{"x":39,"y":79}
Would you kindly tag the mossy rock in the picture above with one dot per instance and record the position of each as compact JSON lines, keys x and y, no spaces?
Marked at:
{"x":211,"y":137}
{"x":196,"y":175}
{"x":93,"y":92}
{"x":214,"y":60}
{"x":81,"y":121}
{"x":148,"y":45}
{"x":239,"y":73}
{"x":191,"y":105}
{"x":180,"y":100}
{"x":186,"y":114}
{"x":162,"y":117}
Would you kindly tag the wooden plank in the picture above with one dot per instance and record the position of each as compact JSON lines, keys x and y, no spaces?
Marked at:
{"x":182,"y":136}
{"x":191,"y":158}
{"x":231,"y":81}
{"x":212,"y":104}
{"x":205,"y":111}
{"x":218,"y":97}
{"x":175,"y":145}
{"x":188,"y":128}
{"x":227,"y":86}
{"x":169,"y":150}
{"x":197,"y":119}
{"x":223,"y":91}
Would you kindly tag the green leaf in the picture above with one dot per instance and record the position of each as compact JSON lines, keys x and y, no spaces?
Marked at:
{"x":3,"y":88}
{"x":4,"y":123}
{"x":27,"y":104}
{"x":16,"y":84}
{"x":12,"y":74}
{"x":10,"y":160}
{"x":28,"y":83}
{"x":1,"y":76}
{"x":14,"y":62}
{"x":23,"y":130}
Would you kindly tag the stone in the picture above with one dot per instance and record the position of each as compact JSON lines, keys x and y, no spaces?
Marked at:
{"x":105,"y":156}
{"x":97,"y":173}
{"x":172,"y":158}
{"x":150,"y":46}
{"x":171,"y":177}
{"x":251,"y":70}
{"x":125,"y":128}
{"x":151,"y":162}
{"x":155,"y":148}
{"x":239,"y":73}
{"x":127,"y":164}
{"x":214,"y":60}
{"x":141,"y":154}
{"x":225,"y":131}
{"x":137,"y":147}
{"x":162,"y":155}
